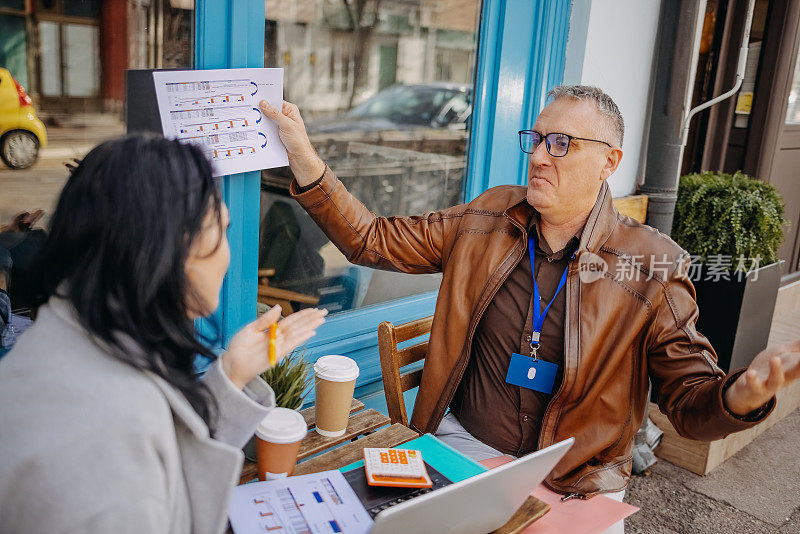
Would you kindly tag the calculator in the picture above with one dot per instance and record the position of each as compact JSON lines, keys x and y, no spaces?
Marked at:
{"x":399,"y":468}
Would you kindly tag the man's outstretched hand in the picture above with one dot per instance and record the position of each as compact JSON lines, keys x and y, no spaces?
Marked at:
{"x":772,"y":369}
{"x":306,"y":166}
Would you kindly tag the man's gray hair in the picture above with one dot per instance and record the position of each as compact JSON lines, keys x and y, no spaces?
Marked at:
{"x":605,"y":104}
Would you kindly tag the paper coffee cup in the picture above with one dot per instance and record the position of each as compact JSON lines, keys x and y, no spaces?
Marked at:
{"x":278,"y":438}
{"x":334,"y":382}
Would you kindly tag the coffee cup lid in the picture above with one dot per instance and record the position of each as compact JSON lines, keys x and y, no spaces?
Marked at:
{"x":336,"y":368}
{"x":282,"y":425}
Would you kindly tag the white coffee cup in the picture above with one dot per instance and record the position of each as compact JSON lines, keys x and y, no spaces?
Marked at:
{"x":278,"y":439}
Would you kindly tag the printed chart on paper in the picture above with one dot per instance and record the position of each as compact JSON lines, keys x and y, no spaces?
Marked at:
{"x":218,"y":111}
{"x":321,"y":503}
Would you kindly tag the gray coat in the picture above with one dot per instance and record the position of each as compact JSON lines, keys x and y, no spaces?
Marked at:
{"x":90,"y":444}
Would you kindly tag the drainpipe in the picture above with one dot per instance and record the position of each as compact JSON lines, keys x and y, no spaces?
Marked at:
{"x":681,"y":26}
{"x":678,"y":44}
{"x":669,"y":127}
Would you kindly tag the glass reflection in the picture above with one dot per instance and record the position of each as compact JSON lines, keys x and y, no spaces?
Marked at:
{"x":62,"y":91}
{"x":385,"y":89}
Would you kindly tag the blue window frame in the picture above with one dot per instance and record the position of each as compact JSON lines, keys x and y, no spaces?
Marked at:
{"x":521,"y":50}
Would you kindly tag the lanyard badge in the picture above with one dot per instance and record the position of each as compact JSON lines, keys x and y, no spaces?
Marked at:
{"x":537,"y":375}
{"x":531,"y":372}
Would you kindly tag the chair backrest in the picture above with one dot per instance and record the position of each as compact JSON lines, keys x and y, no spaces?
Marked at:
{"x":634,"y":206}
{"x":393,"y":360}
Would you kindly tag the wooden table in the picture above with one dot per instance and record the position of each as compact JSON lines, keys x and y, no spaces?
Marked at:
{"x":377,"y":431}
{"x":362,"y":423}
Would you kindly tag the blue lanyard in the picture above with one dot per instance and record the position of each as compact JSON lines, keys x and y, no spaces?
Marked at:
{"x":538,"y":315}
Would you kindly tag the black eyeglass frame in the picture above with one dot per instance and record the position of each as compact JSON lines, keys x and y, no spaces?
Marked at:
{"x":547,"y":143}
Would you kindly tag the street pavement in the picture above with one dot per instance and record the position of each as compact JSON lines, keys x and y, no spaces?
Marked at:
{"x":39,"y":185}
{"x":756,"y":491}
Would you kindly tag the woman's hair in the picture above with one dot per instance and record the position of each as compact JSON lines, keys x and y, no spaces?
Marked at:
{"x":117,"y":250}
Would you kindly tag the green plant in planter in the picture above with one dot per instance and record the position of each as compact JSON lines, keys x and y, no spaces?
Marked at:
{"x":290,"y":380}
{"x":729,"y":214}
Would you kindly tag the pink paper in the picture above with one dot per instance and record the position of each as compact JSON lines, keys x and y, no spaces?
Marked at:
{"x":592,"y":516}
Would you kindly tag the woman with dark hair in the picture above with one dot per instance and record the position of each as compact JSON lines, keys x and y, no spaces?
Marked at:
{"x":106,"y":426}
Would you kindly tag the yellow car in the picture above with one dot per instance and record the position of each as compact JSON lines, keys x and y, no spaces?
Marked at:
{"x":21,"y":131}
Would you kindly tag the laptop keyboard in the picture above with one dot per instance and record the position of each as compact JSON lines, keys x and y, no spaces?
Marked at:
{"x":375,"y":510}
{"x":376,"y":499}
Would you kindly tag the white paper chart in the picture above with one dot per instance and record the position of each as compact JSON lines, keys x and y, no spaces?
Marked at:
{"x":321,"y":503}
{"x":218,"y":110}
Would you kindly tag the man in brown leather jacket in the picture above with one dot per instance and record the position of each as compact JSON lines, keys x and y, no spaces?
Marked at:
{"x":606,"y":334}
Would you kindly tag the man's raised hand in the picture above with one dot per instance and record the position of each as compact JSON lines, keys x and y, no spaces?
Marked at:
{"x":303,"y":160}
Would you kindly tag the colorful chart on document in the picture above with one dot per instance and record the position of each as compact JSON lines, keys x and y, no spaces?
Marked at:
{"x":321,"y":503}
{"x":218,"y":111}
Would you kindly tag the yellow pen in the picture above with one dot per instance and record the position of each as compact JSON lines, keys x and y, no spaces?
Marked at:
{"x":273,"y":332}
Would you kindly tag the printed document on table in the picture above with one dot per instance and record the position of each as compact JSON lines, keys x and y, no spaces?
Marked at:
{"x":320,"y":503}
{"x":218,"y":111}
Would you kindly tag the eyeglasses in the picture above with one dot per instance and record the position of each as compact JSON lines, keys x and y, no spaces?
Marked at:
{"x":557,"y":144}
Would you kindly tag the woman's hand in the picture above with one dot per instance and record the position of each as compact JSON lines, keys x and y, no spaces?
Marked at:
{"x":22,"y":222}
{"x":303,"y":160}
{"x":247,"y":355}
{"x":772,"y":369}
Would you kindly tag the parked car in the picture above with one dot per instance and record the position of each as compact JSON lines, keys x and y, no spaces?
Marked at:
{"x":21,"y":131}
{"x":403,"y":107}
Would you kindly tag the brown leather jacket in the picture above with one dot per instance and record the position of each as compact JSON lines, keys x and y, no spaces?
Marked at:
{"x":618,"y":332}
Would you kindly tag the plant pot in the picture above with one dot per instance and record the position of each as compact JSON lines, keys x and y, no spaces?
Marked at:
{"x":249,"y":449}
{"x":736,"y":314}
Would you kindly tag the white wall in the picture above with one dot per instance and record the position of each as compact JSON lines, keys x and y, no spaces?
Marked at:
{"x":611,"y":45}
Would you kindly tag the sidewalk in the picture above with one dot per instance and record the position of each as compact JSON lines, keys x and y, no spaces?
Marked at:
{"x":73,"y":135}
{"x":68,"y":137}
{"x":757,"y":490}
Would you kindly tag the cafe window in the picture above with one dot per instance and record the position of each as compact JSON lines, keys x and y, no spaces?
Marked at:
{"x":386,"y":95}
{"x":18,"y":5}
{"x":71,"y":58}
{"x":336,"y":62}
{"x":73,"y":8}
{"x":13,"y":45}
{"x":793,"y":108}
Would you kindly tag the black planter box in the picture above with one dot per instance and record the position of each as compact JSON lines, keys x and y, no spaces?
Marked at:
{"x":736,"y":314}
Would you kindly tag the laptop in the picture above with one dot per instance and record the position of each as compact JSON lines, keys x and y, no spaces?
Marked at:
{"x":478,"y":505}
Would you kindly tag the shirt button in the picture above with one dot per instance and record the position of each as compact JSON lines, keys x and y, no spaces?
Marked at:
{"x":527,"y":338}
{"x":525,"y":418}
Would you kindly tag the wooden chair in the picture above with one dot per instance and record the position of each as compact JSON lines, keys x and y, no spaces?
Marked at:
{"x":634,"y":206}
{"x":395,"y":383}
{"x":393,"y":360}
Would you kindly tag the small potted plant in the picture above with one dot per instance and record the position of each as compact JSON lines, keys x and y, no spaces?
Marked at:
{"x":290,"y":380}
{"x":732,"y":225}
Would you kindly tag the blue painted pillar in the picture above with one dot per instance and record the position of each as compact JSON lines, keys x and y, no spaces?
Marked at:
{"x":230,"y":34}
{"x":520,"y":58}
